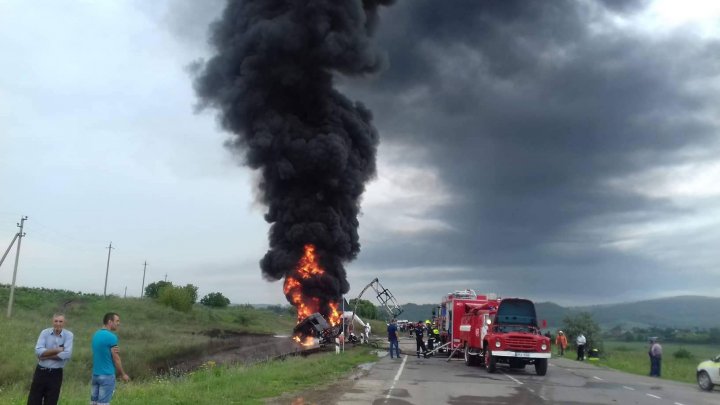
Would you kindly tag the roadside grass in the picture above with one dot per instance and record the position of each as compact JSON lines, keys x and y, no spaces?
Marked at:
{"x":218,"y":384}
{"x":632,"y":357}
{"x":151,"y":335}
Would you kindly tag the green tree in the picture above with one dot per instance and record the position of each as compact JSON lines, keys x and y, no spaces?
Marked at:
{"x":153,"y":289}
{"x":365,"y":309}
{"x":192,"y":292}
{"x":177,"y":298}
{"x":583,"y":323}
{"x":215,"y":300}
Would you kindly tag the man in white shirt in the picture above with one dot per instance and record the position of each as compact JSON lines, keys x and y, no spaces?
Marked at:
{"x":580,"y":341}
{"x":53,"y":350}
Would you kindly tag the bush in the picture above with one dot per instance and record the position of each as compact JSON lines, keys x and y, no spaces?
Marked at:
{"x":215,"y":300}
{"x":153,"y":289}
{"x":177,"y":298}
{"x":682,"y":353}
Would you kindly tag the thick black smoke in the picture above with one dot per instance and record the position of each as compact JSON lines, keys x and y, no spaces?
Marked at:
{"x":272,"y":81}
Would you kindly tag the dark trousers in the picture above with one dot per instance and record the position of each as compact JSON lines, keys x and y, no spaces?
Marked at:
{"x":581,"y":352}
{"x":45,"y":387}
{"x":420,"y":345}
{"x":655,"y":363}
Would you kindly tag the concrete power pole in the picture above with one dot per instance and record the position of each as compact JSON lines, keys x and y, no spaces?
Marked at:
{"x":107,"y":269}
{"x":8,"y":249}
{"x":20,"y":235}
{"x":142,"y":289}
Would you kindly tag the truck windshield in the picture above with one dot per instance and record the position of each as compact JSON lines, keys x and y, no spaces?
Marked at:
{"x":516,"y":312}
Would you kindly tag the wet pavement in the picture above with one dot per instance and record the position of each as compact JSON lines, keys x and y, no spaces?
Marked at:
{"x":412,"y":380}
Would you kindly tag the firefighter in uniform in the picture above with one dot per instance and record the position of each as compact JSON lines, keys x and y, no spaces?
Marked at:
{"x":419,"y":332}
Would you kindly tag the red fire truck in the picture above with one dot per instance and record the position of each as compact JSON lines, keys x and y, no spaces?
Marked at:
{"x":452,"y":309}
{"x":503,"y":331}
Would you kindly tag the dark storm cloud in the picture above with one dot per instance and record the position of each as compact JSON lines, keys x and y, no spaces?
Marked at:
{"x":529,"y":110}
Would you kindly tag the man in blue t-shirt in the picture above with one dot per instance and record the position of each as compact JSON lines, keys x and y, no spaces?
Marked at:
{"x":106,"y":361}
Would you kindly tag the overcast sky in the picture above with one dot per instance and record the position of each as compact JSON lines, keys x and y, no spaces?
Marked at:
{"x":558,"y":150}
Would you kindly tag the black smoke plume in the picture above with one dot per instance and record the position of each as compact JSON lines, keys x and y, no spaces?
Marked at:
{"x":271,"y":79}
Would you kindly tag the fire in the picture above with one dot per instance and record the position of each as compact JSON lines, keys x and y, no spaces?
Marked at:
{"x":308,"y":341}
{"x":309,"y":268}
{"x":334,"y":317}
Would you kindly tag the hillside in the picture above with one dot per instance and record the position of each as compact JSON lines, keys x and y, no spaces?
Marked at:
{"x":675,"y":312}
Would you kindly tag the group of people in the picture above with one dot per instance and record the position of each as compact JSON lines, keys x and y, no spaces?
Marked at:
{"x":419,"y":330}
{"x":53,"y":350}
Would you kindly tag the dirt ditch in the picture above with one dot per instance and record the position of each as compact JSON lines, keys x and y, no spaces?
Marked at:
{"x":231,"y":347}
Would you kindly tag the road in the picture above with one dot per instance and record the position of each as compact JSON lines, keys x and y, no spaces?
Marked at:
{"x":412,"y":380}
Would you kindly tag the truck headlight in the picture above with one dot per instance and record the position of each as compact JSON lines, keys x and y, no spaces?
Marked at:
{"x":497,"y":343}
{"x":543,"y":347}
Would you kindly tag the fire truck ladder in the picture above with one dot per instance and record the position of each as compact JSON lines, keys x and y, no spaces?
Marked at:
{"x":384,"y":297}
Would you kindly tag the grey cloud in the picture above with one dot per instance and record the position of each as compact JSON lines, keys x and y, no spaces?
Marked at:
{"x":528,"y":113}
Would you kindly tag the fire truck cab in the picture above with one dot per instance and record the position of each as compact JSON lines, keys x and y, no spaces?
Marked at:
{"x":503,"y":331}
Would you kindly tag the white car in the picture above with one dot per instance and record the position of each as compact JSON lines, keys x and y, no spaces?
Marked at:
{"x":708,"y":373}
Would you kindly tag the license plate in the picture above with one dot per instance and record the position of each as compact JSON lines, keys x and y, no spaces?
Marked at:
{"x":522,"y":354}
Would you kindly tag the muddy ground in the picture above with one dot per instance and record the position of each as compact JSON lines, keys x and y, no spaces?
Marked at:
{"x":228,"y":347}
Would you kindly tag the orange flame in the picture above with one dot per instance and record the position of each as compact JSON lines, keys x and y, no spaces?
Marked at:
{"x":307,"y":268}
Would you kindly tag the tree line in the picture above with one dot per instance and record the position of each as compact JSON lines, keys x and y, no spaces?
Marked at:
{"x":182,"y":298}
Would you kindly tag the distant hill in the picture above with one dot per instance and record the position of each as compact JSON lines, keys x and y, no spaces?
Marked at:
{"x":673,"y":312}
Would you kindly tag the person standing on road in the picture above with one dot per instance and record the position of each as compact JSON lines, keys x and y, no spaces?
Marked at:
{"x":561,"y":342}
{"x":655,"y":354}
{"x":581,"y":341}
{"x":419,"y":333}
{"x":53,"y":350}
{"x":106,"y":361}
{"x":393,"y":339}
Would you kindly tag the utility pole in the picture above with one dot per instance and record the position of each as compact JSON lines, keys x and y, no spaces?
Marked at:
{"x":142,"y":289}
{"x":125,"y":296}
{"x":107,"y":269}
{"x":165,"y":276}
{"x":8,"y":249}
{"x":20,"y":235}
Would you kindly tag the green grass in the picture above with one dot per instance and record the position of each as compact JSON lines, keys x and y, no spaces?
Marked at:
{"x":632,"y":357}
{"x":151,"y":335}
{"x":217,"y":384}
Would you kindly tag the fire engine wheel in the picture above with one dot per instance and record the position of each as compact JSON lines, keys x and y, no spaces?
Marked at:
{"x":704,"y":381}
{"x":490,"y":361}
{"x":469,"y":359}
{"x":541,"y":366}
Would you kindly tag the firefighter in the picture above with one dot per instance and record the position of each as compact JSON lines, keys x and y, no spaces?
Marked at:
{"x":419,"y":332}
{"x":561,"y":342}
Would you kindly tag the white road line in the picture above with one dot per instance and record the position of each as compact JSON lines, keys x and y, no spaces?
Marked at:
{"x":678,"y":403}
{"x":628,"y":388}
{"x":543,"y":398}
{"x":512,"y":378}
{"x":597,"y":378}
{"x":397,"y":377}
{"x":654,"y":396}
{"x":531,"y":390}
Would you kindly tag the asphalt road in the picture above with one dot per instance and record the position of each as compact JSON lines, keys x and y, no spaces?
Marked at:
{"x":412,"y":380}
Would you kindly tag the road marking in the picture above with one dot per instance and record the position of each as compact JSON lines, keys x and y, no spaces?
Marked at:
{"x":628,"y":388}
{"x":542,"y":397}
{"x":678,"y":403}
{"x":512,"y":378}
{"x":531,"y":390}
{"x":397,"y":377}
{"x":597,"y":378}
{"x":654,"y":396}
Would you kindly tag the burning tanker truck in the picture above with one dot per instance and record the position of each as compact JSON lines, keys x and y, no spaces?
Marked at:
{"x":270,"y":78}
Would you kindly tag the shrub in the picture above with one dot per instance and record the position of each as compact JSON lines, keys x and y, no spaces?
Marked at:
{"x":682,"y":353}
{"x":215,"y":300}
{"x":153,"y":289}
{"x":177,"y":298}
